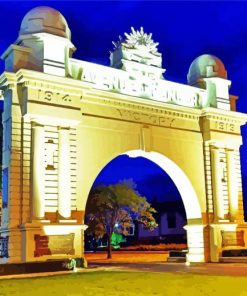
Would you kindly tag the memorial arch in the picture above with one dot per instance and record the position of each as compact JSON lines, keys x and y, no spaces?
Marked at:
{"x":64,"y":119}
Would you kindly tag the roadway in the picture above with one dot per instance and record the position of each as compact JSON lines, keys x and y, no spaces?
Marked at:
{"x":223,"y":269}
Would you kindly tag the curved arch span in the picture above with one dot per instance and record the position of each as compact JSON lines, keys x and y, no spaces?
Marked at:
{"x":183,"y":184}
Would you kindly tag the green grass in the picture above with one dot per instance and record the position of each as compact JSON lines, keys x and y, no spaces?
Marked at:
{"x":126,"y":283}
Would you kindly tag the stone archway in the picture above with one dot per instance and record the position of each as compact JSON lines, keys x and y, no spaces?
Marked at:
{"x":64,"y":118}
{"x":194,"y":227}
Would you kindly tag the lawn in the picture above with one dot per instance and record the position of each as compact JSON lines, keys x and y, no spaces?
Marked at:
{"x":107,"y":283}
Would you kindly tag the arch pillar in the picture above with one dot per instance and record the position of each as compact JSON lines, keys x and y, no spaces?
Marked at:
{"x":195,"y":242}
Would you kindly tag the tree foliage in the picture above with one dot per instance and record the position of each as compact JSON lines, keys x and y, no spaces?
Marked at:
{"x":120,"y":205}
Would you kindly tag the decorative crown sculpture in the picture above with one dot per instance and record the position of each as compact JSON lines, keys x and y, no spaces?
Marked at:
{"x":138,"y":40}
{"x":135,"y":52}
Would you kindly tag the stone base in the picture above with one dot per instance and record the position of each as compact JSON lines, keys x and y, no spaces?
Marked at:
{"x":233,"y":260}
{"x":36,"y":242}
{"x":195,"y":258}
{"x":44,"y":266}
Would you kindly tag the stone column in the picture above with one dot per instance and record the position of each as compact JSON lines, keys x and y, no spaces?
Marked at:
{"x":232,"y":184}
{"x":38,"y":172}
{"x":64,"y":182}
{"x":217,"y":183}
{"x":195,"y":242}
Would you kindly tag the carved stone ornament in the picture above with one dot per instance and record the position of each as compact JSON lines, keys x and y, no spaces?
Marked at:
{"x":138,"y":40}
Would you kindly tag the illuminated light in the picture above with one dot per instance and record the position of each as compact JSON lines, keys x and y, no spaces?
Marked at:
{"x":187,"y":263}
{"x":116,"y":225}
{"x":186,"y":190}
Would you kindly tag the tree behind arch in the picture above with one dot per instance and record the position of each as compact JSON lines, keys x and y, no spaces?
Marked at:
{"x":120,"y":205}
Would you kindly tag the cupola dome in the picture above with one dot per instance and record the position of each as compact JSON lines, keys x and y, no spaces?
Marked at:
{"x":44,"y":19}
{"x":205,"y":66}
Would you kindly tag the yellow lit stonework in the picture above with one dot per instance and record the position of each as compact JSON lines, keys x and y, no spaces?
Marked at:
{"x":65,"y":119}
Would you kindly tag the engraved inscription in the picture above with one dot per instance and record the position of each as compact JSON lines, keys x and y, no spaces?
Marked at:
{"x":158,"y":90}
{"x":48,"y":95}
{"x":145,"y":117}
{"x":62,"y":244}
{"x":224,"y":126}
{"x":54,"y":244}
{"x":66,"y":98}
{"x":53,"y":97}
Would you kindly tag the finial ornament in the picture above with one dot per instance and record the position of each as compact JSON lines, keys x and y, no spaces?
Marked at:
{"x":118,"y":43}
{"x":138,"y":39}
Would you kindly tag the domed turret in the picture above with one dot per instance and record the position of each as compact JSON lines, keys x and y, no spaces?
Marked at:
{"x":43,"y":43}
{"x":44,"y":19}
{"x":205,"y":66}
{"x":209,"y":73}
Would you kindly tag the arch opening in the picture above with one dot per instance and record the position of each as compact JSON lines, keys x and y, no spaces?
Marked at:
{"x":184,"y":187}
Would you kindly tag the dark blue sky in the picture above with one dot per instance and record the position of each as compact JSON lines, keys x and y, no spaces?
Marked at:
{"x":184,"y":30}
{"x":149,"y":178}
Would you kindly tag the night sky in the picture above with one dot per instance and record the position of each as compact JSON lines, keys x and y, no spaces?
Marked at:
{"x":184,"y":31}
{"x":149,"y":178}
